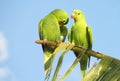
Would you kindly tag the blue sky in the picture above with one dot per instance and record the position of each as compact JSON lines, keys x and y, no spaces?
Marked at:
{"x":22,"y":60}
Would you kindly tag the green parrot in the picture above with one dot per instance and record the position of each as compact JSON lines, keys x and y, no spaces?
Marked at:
{"x":52,"y":28}
{"x":81,"y":35}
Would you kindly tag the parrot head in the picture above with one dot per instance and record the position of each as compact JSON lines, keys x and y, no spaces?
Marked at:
{"x":61,"y":16}
{"x":77,"y":15}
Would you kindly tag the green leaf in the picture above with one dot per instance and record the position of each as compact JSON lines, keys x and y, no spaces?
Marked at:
{"x":69,"y":47}
{"x":62,"y":46}
{"x":73,"y":65}
{"x":108,"y":69}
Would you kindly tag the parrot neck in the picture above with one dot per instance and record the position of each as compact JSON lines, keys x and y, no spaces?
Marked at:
{"x":61,"y":25}
{"x":82,"y":21}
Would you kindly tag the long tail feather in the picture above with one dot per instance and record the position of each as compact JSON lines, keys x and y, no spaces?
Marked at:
{"x":84,"y":62}
{"x":48,"y":61}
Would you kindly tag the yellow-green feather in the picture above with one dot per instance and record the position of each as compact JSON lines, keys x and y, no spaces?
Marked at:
{"x":81,"y":34}
{"x":49,"y":29}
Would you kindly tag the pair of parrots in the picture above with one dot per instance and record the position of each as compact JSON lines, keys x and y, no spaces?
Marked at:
{"x":53,"y":28}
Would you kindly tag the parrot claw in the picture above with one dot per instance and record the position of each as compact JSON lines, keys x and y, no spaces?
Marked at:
{"x":69,"y":43}
{"x":57,"y":42}
{"x":44,"y":41}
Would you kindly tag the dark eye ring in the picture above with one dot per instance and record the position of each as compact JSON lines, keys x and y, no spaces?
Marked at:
{"x":64,"y":21}
{"x":78,"y":13}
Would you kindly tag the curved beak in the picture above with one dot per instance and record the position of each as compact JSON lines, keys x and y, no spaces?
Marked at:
{"x":73,"y":16}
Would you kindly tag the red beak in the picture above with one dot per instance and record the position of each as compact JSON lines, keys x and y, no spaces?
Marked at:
{"x":73,"y":16}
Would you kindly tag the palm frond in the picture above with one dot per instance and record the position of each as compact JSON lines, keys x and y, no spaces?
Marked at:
{"x":68,"y":47}
{"x":108,"y":69}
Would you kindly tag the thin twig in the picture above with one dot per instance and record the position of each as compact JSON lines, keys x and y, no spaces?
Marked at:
{"x":75,"y":48}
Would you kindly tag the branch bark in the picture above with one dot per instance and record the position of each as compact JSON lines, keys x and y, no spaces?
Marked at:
{"x":75,"y":48}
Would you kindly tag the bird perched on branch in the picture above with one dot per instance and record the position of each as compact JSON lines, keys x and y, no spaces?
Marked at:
{"x":81,"y":35}
{"x":52,"y":28}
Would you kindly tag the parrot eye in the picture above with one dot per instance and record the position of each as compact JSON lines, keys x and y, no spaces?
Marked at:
{"x":78,"y":13}
{"x":64,"y":21}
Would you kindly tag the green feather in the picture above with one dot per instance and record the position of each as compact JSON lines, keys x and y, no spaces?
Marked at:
{"x":81,"y":35}
{"x":49,"y":29}
{"x":63,"y":31}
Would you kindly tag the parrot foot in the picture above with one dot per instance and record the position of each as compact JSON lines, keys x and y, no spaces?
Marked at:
{"x":44,"y":41}
{"x":69,"y":43}
{"x":58,"y":42}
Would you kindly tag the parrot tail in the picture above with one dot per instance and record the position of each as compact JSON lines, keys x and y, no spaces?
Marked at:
{"x":48,"y":62}
{"x":83,"y":63}
{"x":83,"y":73}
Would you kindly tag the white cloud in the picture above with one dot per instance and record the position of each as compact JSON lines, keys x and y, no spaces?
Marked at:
{"x":3,"y":72}
{"x":3,"y":48}
{"x":6,"y":74}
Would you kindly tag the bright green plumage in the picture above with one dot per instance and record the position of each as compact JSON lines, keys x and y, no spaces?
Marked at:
{"x":81,"y":34}
{"x":63,"y":31}
{"x":50,"y":28}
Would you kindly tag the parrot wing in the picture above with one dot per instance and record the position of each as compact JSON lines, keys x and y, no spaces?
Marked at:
{"x":40,"y":29}
{"x":89,"y":37}
{"x":69,"y":36}
{"x":63,"y":31}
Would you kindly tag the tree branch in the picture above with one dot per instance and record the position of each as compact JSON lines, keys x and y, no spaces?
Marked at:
{"x":75,"y":48}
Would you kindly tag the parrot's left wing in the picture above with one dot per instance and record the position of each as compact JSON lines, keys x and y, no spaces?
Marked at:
{"x":40,"y":29}
{"x":69,"y":36}
{"x":89,"y":37}
{"x":90,"y":40}
{"x":63,"y":31}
